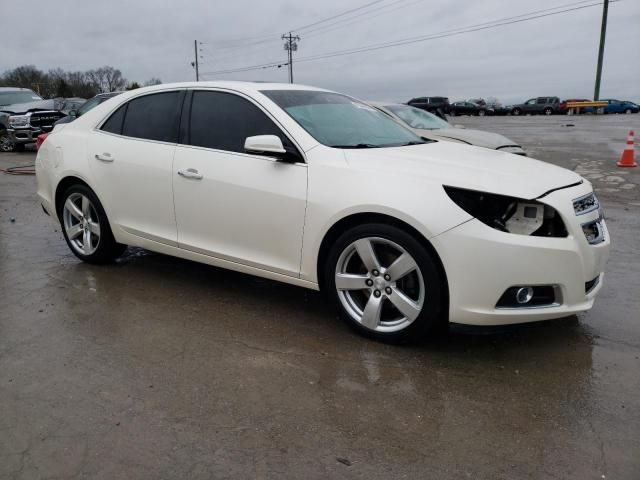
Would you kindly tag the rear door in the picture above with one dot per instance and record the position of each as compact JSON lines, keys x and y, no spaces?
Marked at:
{"x":131,"y":157}
{"x":232,"y":205}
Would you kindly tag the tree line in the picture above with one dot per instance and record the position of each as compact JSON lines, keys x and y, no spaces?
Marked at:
{"x":60,"y":83}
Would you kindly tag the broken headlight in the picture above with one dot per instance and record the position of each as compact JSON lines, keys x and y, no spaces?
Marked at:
{"x":509,"y":214}
{"x":16,"y":121}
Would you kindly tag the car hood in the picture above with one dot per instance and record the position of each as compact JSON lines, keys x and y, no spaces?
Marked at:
{"x":19,"y":108}
{"x":463,"y":166}
{"x":474,"y":137}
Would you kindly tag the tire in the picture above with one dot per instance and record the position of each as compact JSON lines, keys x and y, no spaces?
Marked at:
{"x":516,"y":112}
{"x":89,"y":222}
{"x":6,"y":145}
{"x":547,"y":111}
{"x":452,"y":113}
{"x":481,"y":113}
{"x":627,"y":111}
{"x":19,"y":147}
{"x":401,"y":310}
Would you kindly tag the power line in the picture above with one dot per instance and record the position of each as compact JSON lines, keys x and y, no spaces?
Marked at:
{"x":356,"y":18}
{"x":347,"y":12}
{"x":348,"y":21}
{"x":444,"y":34}
{"x":258,"y":40}
{"x":447,"y":33}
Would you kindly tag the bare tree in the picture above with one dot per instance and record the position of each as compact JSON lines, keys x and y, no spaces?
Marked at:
{"x":152,"y":81}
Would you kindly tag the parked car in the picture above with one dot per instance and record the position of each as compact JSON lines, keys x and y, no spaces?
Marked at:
{"x":563,"y":105}
{"x":620,"y":106}
{"x":321,"y":190}
{"x":498,"y":108}
{"x":429,"y":126}
{"x":86,"y":106}
{"x":23,"y":116}
{"x":479,"y":101}
{"x":538,"y":105}
{"x":431,"y":104}
{"x":469,"y":108}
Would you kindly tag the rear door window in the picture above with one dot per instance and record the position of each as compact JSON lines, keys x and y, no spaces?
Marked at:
{"x":154,"y":117}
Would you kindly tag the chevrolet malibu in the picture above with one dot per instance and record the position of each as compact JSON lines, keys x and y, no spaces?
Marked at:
{"x":320,"y":190}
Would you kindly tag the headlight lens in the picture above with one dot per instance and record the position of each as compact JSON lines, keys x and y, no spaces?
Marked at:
{"x":509,"y":214}
{"x":18,"y":121}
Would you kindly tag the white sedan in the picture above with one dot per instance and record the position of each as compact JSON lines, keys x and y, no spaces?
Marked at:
{"x":320,"y":190}
{"x":428,"y":125}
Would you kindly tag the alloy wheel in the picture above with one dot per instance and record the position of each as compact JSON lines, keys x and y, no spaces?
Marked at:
{"x":379,"y":284}
{"x":81,"y":224}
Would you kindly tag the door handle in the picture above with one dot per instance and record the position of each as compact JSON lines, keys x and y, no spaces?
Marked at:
{"x":105,"y":157}
{"x":190,"y":173}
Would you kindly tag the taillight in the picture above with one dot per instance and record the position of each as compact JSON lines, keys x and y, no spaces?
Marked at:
{"x":41,"y":138}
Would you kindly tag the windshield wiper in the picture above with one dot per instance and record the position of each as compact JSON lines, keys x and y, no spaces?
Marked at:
{"x":414,"y":142}
{"x":357,"y":145}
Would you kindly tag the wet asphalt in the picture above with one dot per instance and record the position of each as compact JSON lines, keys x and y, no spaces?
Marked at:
{"x":160,"y":368}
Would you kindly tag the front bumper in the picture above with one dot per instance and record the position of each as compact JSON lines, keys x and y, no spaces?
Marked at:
{"x":481,"y":263}
{"x":24,"y":135}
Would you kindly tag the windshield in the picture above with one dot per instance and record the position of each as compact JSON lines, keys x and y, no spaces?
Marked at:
{"x":416,"y":118}
{"x":339,"y":121}
{"x":24,"y":96}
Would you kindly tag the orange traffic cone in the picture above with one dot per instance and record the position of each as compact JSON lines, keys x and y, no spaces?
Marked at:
{"x":628,"y":155}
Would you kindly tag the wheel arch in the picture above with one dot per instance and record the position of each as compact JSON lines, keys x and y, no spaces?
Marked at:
{"x":362,"y":218}
{"x":65,"y":183}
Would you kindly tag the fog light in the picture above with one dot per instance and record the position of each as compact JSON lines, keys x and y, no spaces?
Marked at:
{"x":530,"y":297}
{"x":524,"y":295}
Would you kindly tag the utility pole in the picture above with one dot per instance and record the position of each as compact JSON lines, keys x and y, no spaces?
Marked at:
{"x":291,"y":45}
{"x":603,"y":33}
{"x":195,"y":64}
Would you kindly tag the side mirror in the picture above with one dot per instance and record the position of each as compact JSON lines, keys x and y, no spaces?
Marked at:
{"x":73,"y":113}
{"x":264,"y":144}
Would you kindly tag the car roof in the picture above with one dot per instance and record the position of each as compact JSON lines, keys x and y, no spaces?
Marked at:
{"x":245,"y":87}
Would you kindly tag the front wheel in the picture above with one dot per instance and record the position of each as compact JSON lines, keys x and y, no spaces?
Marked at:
{"x":548,"y":111}
{"x":516,"y":111}
{"x":6,"y":145}
{"x":628,"y":111}
{"x":385,"y":283}
{"x":481,"y":113}
{"x":85,"y":226}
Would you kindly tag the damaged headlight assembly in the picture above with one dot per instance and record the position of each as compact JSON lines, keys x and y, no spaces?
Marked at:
{"x":17,"y":121}
{"x":509,"y":214}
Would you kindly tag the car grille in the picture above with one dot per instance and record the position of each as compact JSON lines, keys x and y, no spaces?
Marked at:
{"x":45,"y":120}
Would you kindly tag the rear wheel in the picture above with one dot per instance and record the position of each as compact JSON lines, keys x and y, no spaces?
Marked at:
{"x":86,"y":228}
{"x":481,"y":113}
{"x":385,"y":283}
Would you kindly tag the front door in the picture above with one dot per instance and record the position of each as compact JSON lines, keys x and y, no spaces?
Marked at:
{"x":248,"y":209}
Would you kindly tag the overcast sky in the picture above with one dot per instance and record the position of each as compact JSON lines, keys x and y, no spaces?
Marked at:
{"x":555,"y":55}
